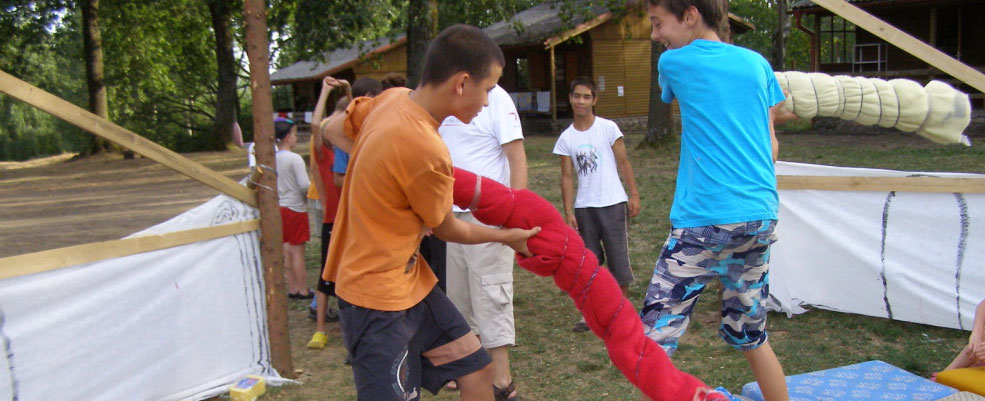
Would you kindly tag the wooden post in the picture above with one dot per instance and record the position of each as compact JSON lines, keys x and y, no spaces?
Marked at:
{"x":553,"y":91}
{"x":271,"y":236}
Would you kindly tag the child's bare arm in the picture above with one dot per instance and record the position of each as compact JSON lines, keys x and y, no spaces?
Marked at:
{"x":516,"y":156}
{"x":452,"y":229}
{"x":977,"y":340}
{"x":626,"y":171}
{"x":568,"y":191}
{"x":328,"y":84}
{"x":774,"y":143}
{"x":332,"y":131}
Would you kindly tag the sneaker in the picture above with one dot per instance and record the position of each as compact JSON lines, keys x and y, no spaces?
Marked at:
{"x":331,"y":314}
{"x":580,"y":327}
{"x":318,"y":341}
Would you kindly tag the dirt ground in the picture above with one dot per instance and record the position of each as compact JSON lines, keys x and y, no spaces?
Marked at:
{"x":57,"y":202}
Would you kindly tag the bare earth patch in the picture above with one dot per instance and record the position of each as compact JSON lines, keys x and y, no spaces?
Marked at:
{"x":56,"y":202}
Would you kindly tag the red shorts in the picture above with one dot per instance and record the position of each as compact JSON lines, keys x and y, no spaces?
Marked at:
{"x":295,"y":226}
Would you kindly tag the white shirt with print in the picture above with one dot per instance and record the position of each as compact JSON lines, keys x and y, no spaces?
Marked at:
{"x":594,"y":163}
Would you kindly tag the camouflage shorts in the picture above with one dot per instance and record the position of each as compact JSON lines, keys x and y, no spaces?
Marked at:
{"x":736,"y":254}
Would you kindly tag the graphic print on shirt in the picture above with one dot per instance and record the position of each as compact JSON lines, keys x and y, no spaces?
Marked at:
{"x":586,"y":159}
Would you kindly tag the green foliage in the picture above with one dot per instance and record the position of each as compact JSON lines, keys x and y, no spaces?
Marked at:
{"x":763,"y":14}
{"x":480,"y":13}
{"x":160,"y":71}
{"x":39,"y":49}
{"x":307,"y":29}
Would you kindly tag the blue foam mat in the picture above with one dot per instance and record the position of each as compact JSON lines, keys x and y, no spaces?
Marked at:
{"x":872,"y":380}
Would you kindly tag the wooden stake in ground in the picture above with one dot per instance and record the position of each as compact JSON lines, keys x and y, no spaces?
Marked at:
{"x":271,"y":236}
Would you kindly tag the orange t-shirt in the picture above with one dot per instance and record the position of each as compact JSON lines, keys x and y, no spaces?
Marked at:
{"x":322,"y":158}
{"x":399,"y":181}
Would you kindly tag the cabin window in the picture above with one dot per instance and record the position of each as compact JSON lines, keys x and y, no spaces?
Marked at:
{"x":522,"y":74}
{"x":837,"y":40}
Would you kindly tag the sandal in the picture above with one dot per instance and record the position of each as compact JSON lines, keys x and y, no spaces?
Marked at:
{"x":506,"y":394}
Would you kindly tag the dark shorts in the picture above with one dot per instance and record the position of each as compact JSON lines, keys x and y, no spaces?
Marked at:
{"x":395,"y":354}
{"x":325,"y":287}
{"x":604,"y":231}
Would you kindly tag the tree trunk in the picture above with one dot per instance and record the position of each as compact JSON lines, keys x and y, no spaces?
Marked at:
{"x":92,"y":47}
{"x":780,"y":36}
{"x":271,"y":236}
{"x":422,"y":26}
{"x":227,"y":99}
{"x":660,"y":120}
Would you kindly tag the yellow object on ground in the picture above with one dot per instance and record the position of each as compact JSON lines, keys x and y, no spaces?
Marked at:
{"x":967,"y":379}
{"x":318,"y":340}
{"x":247,"y":389}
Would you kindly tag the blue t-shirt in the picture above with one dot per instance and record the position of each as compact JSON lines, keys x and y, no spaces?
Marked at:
{"x":341,"y":163}
{"x":726,"y":170}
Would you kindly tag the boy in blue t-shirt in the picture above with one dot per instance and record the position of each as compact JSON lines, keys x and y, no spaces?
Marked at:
{"x":725,"y":204}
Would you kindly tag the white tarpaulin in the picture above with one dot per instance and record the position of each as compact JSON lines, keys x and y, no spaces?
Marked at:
{"x":916,"y":257}
{"x":178,"y":323}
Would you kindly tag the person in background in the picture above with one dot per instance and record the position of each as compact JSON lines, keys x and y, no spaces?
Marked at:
{"x":480,"y":277}
{"x":324,"y":188}
{"x":292,"y":184}
{"x":592,"y":149}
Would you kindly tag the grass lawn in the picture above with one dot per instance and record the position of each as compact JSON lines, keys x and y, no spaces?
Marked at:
{"x":552,"y":363}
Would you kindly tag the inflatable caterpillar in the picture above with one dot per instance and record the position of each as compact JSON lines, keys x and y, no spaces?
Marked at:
{"x":936,"y":111}
{"x":560,"y":253}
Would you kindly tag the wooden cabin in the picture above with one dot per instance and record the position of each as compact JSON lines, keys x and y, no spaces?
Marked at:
{"x":612,"y":48}
{"x":372,"y":58}
{"x":839,"y":47}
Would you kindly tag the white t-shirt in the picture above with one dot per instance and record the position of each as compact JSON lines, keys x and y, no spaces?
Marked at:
{"x":292,"y":181}
{"x":478,"y":145}
{"x":251,"y":153}
{"x":594,"y":163}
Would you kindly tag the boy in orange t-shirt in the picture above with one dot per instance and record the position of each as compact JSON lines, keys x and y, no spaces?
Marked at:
{"x":403,"y":334}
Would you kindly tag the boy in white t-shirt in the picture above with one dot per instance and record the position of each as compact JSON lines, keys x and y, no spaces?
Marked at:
{"x":592,"y":148}
{"x":480,"y":277}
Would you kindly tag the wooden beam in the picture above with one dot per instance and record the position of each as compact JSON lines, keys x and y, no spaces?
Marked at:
{"x":905,"y":41}
{"x":881,"y":184}
{"x":271,"y":238}
{"x":38,"y":262}
{"x":584,"y":26}
{"x":553,"y":89}
{"x":82,"y":118}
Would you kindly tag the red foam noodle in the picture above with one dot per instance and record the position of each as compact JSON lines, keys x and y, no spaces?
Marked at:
{"x":560,"y":253}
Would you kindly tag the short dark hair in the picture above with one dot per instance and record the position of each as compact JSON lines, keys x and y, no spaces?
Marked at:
{"x":460,"y":48}
{"x":366,"y":86}
{"x":583,"y":81}
{"x":393,"y":81}
{"x":714,"y":12}
{"x":282,"y":127}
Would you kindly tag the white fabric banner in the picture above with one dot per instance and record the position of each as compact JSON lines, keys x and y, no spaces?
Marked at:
{"x":179,"y":323}
{"x":915,"y":257}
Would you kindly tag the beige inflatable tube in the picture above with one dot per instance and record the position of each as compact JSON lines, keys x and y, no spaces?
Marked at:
{"x":936,"y":111}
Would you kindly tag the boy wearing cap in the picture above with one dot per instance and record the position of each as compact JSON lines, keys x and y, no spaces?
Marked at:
{"x":292,"y":186}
